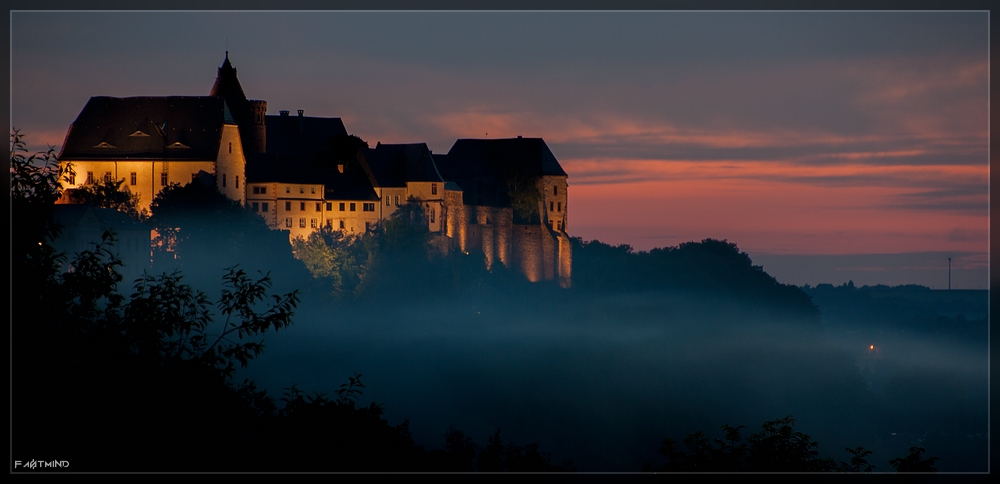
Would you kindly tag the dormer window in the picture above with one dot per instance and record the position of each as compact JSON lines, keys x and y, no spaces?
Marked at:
{"x":104,"y":144}
{"x":138,"y":134}
{"x":177,"y":144}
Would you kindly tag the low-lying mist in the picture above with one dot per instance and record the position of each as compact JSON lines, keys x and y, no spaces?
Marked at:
{"x":645,"y":346}
{"x":602,"y":378}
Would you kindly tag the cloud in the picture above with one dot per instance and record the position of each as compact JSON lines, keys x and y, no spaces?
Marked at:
{"x":959,"y":234}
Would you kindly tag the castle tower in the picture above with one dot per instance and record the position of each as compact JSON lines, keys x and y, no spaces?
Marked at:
{"x":249,"y":115}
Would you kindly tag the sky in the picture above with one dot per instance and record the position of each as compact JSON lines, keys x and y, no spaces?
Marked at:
{"x":830,"y":146}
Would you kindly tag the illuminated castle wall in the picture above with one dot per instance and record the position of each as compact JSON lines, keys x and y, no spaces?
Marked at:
{"x":290,"y":171}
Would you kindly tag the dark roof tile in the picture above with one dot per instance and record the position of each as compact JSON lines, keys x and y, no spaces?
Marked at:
{"x":167,"y":128}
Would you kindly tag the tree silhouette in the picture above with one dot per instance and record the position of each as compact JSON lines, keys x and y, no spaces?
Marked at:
{"x":778,"y":447}
{"x":110,"y":194}
{"x":914,"y":462}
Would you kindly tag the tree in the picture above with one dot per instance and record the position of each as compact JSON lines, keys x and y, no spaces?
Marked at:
{"x":778,"y":447}
{"x":199,"y":230}
{"x":338,"y":257}
{"x":914,"y":462}
{"x":111,"y":194}
{"x":35,"y":185}
{"x":859,"y":461}
{"x":524,"y":197}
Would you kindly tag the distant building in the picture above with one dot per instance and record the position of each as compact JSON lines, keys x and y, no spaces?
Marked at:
{"x":506,"y":197}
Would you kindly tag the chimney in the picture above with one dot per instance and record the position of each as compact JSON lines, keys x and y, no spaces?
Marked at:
{"x":283,"y":112}
{"x":300,"y":121}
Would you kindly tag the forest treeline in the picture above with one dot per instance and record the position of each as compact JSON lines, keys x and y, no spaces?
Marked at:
{"x":113,"y":375}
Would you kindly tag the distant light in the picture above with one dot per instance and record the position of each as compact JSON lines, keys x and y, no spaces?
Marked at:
{"x":871,"y":347}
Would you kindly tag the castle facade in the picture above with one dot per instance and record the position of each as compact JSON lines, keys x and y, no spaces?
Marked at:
{"x":505,"y":197}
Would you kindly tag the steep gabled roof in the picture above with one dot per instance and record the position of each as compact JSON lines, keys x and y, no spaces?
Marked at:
{"x":352,"y":184}
{"x":395,"y":164}
{"x":499,"y":158}
{"x":299,"y":150}
{"x":301,"y":135}
{"x":162,"y":128}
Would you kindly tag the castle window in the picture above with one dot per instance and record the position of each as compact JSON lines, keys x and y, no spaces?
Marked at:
{"x":256,"y":208}
{"x":558,"y":206}
{"x":223,"y":180}
{"x":230,"y":147}
{"x":329,"y":223}
{"x":302,"y":223}
{"x":312,"y":190}
{"x":555,"y":190}
{"x":312,"y":223}
{"x":396,"y":200}
{"x":263,"y":190}
{"x":288,"y":222}
{"x":263,"y":207}
{"x":317,"y":206}
{"x":288,"y":189}
{"x":354,"y":207}
{"x":432,"y":215}
{"x":256,"y":190}
{"x":302,"y":206}
{"x":341,"y":207}
{"x":302,"y":189}
{"x":341,"y":224}
{"x":163,"y":179}
{"x":434,"y":188}
{"x":559,"y":224}
{"x":107,"y":177}
{"x":237,"y":181}
{"x":368,"y":207}
{"x":131,"y":178}
{"x":329,"y":206}
{"x":387,"y":200}
{"x":288,"y":207}
{"x":552,"y":206}
{"x":72,"y":178}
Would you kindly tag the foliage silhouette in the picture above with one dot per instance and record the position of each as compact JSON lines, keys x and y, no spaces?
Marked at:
{"x":149,"y":377}
{"x":110,"y":194}
{"x":524,"y":196}
{"x":914,"y":462}
{"x":711,"y":266}
{"x":778,"y":447}
{"x":199,"y":230}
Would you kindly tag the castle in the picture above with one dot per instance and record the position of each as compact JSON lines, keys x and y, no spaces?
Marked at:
{"x":505,"y":197}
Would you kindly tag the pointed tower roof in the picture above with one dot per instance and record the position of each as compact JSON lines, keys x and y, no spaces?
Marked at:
{"x":227,"y":85}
